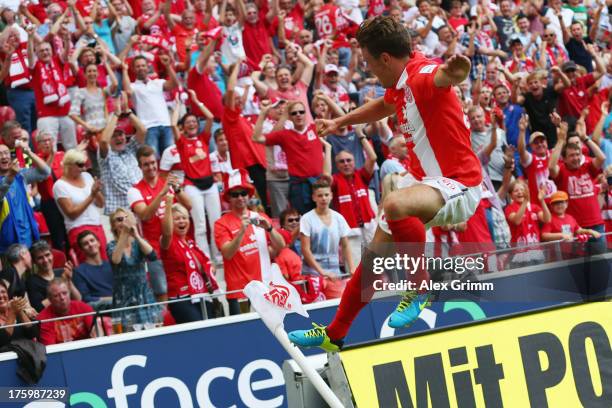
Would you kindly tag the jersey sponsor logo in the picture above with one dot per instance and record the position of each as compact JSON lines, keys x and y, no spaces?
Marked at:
{"x":311,"y":135}
{"x":579,"y":187}
{"x":427,"y":69}
{"x":344,"y":198}
{"x":196,"y":281}
{"x":408,"y":97}
{"x":278,"y":295}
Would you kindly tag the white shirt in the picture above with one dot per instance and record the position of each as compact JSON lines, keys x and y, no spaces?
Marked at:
{"x":219,"y":165}
{"x":170,"y":161}
{"x":324,"y":240}
{"x":555,"y":25}
{"x":431,"y":40}
{"x":63,"y":189}
{"x":232,"y":47}
{"x":150,"y":103}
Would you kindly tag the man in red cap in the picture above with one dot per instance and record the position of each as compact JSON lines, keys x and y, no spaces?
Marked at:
{"x":243,"y":236}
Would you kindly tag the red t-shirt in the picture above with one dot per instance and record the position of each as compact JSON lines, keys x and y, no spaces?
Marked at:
{"x":298,"y":92}
{"x":174,"y":259}
{"x":457,"y":22}
{"x":194,"y":156}
{"x":566,"y":224}
{"x":45,"y":187}
{"x":304,"y":150}
{"x":181,"y":35}
{"x":245,"y":265}
{"x":158,"y":29}
{"x":578,"y":184}
{"x":255,"y":39}
{"x":576,"y":97}
{"x":528,"y":231}
{"x":238,"y":132}
{"x":477,"y":230}
{"x":199,"y":18}
{"x":142,"y":192}
{"x":51,"y":109}
{"x":207,"y":91}
{"x":432,"y":121}
{"x":63,"y":331}
{"x":537,"y":174}
{"x":294,"y":22}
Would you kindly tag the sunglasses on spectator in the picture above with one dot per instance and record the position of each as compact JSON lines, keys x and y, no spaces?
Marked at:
{"x":295,"y":113}
{"x":344,"y":160}
{"x":296,"y":219}
{"x":236,"y":194}
{"x":548,"y":35}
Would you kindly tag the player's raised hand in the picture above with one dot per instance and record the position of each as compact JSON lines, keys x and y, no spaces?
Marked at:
{"x":455,"y":69}
{"x":326,"y":127}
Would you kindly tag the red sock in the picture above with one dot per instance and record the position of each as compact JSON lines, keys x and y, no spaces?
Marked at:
{"x":409,"y":235}
{"x":351,"y":304}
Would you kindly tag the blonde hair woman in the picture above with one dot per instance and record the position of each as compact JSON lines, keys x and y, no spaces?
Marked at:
{"x":79,"y":198}
{"x":188,"y":269}
{"x":128,"y":253}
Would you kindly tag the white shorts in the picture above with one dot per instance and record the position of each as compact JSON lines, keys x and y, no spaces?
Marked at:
{"x":460,"y":201}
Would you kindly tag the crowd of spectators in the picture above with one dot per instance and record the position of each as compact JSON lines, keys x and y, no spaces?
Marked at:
{"x":159,"y":149}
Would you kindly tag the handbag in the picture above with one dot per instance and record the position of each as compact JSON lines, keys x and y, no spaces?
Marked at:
{"x":202,"y":183}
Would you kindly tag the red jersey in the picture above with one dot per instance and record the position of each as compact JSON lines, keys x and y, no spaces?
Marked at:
{"x":200,"y":16}
{"x":566,"y":224}
{"x":157,"y":29}
{"x":528,"y":231}
{"x":433,"y":123}
{"x":46,"y":109}
{"x":239,"y":133}
{"x":331,"y":23}
{"x":143,"y":192}
{"x":578,"y":184}
{"x":207,"y":91}
{"x":294,"y":22}
{"x":536,"y":170}
{"x":63,"y":331}
{"x":351,"y":197}
{"x":45,"y":187}
{"x":376,"y":8}
{"x":303,"y":149}
{"x":576,"y":97}
{"x":195,"y":156}
{"x":246,"y":264}
{"x":606,"y":213}
{"x":181,"y":35}
{"x":255,"y":39}
{"x":184,"y":275}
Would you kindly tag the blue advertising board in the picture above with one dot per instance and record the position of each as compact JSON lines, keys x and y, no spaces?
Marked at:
{"x":229,"y":362}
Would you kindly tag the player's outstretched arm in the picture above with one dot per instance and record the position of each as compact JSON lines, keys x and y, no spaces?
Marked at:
{"x":453,"y":72}
{"x":370,"y":112}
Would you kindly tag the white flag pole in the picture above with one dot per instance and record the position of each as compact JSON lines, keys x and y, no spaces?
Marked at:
{"x":312,"y":374}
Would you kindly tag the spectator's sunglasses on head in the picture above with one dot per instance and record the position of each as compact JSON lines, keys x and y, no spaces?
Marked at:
{"x":293,"y":219}
{"x":298,"y":112}
{"x":238,"y":193}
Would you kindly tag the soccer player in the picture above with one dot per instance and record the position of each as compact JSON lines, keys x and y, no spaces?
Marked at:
{"x":420,"y":93}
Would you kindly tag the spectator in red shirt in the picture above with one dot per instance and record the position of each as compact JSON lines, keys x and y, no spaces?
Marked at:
{"x":576,"y":178}
{"x":563,"y":226}
{"x":304,"y":153}
{"x":200,"y":81}
{"x":350,"y":192}
{"x":245,"y":153}
{"x":188,"y":269}
{"x":65,"y":330}
{"x":54,"y":218}
{"x":51,"y":92}
{"x":256,"y":35}
{"x":524,"y":217}
{"x":146,"y":199}
{"x":536,"y":162}
{"x":184,"y":31}
{"x":242,"y":236}
{"x":199,"y":183}
{"x":575,"y":97}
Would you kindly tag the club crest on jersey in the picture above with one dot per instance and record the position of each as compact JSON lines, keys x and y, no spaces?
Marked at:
{"x":278,"y":295}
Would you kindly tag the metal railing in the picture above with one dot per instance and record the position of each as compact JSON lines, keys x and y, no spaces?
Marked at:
{"x":204,"y":297}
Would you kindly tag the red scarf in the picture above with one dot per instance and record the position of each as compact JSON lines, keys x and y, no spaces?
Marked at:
{"x":53,"y":85}
{"x":193,"y":266}
{"x":352,"y":201}
{"x":19,"y":73}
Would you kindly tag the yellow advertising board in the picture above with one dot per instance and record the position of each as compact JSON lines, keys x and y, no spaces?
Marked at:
{"x":557,"y":358}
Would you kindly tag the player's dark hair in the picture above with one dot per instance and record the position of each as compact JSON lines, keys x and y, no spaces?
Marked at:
{"x":384,"y":34}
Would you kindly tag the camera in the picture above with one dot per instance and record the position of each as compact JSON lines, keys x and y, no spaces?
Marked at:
{"x":255,"y":221}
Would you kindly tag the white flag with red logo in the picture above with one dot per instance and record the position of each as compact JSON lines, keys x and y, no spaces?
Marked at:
{"x":274,"y":299}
